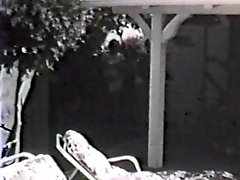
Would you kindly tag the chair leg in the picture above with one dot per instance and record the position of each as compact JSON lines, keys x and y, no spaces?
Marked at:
{"x":74,"y":173}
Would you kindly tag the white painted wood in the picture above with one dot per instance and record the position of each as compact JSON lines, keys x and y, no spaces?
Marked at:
{"x":111,"y":3}
{"x":142,"y":23}
{"x":157,"y":94}
{"x":172,"y":27}
{"x":208,"y":6}
{"x":196,"y":9}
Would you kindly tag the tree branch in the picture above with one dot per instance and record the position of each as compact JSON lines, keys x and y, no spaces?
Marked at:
{"x":26,"y":82}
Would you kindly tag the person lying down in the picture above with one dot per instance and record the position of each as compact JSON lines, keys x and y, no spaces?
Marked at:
{"x":99,"y":166}
{"x":40,"y":167}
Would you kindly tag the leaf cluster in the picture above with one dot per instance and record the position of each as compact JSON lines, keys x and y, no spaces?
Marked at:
{"x":39,"y":32}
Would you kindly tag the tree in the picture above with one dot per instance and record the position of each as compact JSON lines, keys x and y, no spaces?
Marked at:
{"x":39,"y":34}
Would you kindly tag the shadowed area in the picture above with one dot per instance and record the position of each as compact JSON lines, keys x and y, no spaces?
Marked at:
{"x":201,"y":129}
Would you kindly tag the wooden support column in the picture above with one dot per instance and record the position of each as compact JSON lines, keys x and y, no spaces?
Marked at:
{"x":157,"y":93}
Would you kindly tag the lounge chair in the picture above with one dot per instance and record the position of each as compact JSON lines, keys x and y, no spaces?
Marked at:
{"x":32,"y":167}
{"x":95,"y":166}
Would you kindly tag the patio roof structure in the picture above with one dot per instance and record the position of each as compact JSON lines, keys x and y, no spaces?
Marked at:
{"x":159,"y":36}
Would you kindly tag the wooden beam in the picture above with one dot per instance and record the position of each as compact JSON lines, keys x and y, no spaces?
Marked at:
{"x":174,"y":9}
{"x":142,"y":23}
{"x":172,"y":27}
{"x":111,"y":3}
{"x":169,"y":31}
{"x":157,"y":93}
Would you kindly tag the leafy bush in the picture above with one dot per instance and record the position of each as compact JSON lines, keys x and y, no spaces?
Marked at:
{"x":41,"y":31}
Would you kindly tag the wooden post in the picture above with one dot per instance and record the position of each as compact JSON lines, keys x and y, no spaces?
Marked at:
{"x":157,"y":93}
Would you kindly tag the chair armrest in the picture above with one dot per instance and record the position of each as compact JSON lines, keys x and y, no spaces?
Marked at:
{"x":127,"y":158}
{"x":17,"y":156}
{"x":9,"y":144}
{"x":58,"y":139}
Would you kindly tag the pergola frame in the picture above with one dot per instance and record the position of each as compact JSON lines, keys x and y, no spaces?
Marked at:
{"x":159,"y":36}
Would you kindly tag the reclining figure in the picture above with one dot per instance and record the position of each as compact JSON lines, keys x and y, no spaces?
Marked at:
{"x":101,"y":169}
{"x":40,"y":167}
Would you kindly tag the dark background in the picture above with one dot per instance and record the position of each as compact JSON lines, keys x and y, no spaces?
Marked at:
{"x":202,"y":100}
